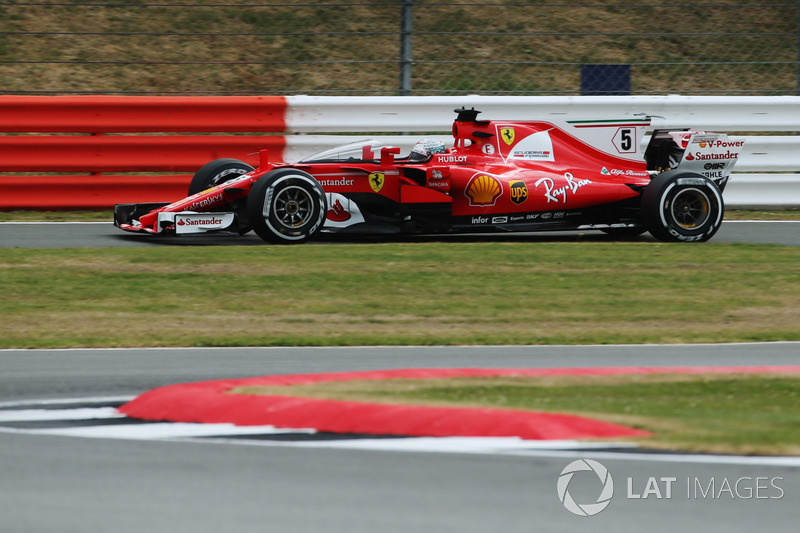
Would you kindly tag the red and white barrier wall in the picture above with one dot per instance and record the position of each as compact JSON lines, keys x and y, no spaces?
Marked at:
{"x":91,"y":152}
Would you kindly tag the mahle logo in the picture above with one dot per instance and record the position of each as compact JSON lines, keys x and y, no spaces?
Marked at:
{"x":585,"y":509}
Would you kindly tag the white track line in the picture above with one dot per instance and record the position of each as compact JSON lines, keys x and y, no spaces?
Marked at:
{"x":165,"y":431}
{"x":39,"y":415}
{"x":67,"y":401}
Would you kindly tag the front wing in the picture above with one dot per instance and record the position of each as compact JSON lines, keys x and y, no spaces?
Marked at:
{"x":126,"y":217}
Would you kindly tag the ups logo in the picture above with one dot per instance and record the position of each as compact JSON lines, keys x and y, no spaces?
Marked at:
{"x":519,"y":191}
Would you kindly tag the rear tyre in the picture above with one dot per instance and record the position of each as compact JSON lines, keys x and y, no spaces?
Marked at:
{"x":216,"y":172}
{"x":287,"y":206}
{"x":682,"y":207}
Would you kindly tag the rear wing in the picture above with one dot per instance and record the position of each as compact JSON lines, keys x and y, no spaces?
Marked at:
{"x":711,"y":154}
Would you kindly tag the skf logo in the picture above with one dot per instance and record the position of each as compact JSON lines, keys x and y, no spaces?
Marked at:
{"x":483,"y":190}
{"x":376,"y":181}
{"x":519,"y":191}
{"x":508,"y":135}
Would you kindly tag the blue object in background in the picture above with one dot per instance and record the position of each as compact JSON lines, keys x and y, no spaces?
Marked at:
{"x":605,"y":80}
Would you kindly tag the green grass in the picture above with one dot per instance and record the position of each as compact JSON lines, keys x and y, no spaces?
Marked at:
{"x":743,"y":413}
{"x":399,"y":293}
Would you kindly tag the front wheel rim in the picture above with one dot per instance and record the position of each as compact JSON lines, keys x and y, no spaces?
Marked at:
{"x":293,"y":207}
{"x":690,"y":208}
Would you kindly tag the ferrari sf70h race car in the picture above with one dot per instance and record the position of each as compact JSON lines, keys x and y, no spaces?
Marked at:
{"x":498,"y":176}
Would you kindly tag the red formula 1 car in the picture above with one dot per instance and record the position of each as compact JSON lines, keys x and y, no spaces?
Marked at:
{"x":498,"y":176}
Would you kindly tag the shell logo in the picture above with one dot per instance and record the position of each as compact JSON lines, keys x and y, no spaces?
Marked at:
{"x":483,"y":190}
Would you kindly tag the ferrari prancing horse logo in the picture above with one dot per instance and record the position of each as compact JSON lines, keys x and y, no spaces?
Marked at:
{"x":376,"y":180}
{"x":508,"y":135}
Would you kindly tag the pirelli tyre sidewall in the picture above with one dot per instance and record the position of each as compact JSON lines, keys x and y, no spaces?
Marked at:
{"x":682,"y":207}
{"x":287,"y":206}
{"x":216,"y":172}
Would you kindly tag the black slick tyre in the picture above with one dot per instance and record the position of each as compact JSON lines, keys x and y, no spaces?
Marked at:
{"x":682,"y":207}
{"x":216,"y":172}
{"x":286,"y":206}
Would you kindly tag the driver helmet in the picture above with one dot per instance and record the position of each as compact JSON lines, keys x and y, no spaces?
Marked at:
{"x":425,"y":148}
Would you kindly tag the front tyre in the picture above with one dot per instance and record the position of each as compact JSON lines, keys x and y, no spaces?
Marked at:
{"x":286,"y":206}
{"x":217,"y":172}
{"x":682,"y":207}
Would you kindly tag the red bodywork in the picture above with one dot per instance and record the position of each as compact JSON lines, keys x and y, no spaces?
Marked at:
{"x":502,"y":175}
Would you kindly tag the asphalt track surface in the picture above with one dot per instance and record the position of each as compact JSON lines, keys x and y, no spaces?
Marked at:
{"x":100,"y":234}
{"x":65,"y":484}
{"x":54,"y":483}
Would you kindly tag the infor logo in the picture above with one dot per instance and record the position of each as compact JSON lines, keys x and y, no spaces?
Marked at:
{"x":585,"y":509}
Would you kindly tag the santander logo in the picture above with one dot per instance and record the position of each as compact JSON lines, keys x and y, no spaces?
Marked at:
{"x":337,"y":213}
{"x":199,"y":221}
